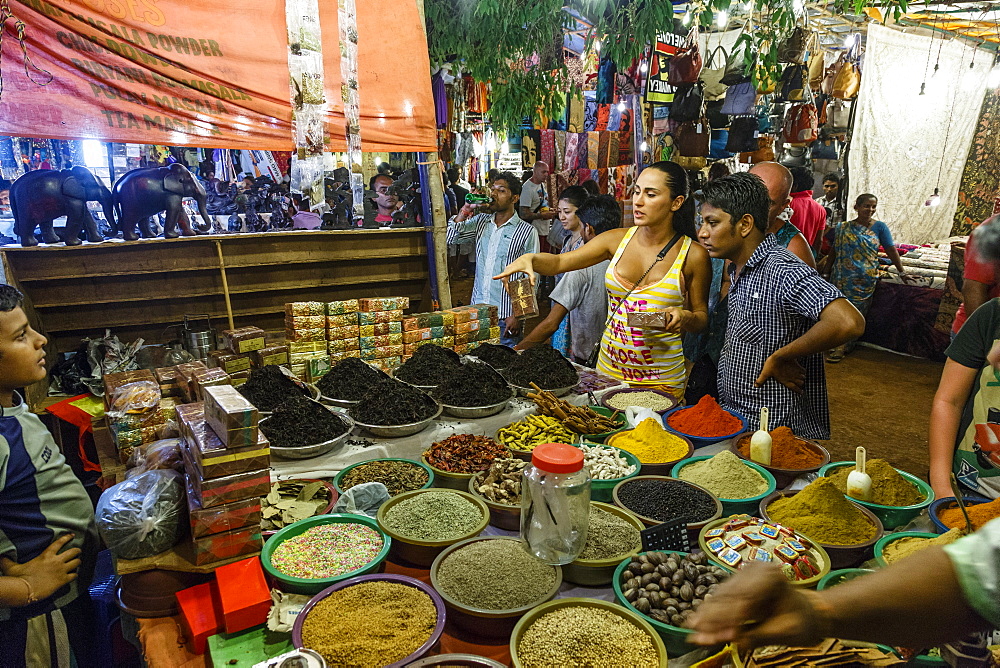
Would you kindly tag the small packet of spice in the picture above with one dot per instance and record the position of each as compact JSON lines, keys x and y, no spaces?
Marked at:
{"x":243,"y":339}
{"x":229,"y":362}
{"x":376,"y":317}
{"x":653,"y":319}
{"x":736,"y":542}
{"x":338,"y":333}
{"x":296,"y":309}
{"x":342,"y":307}
{"x":759,"y":554}
{"x":753,"y":538}
{"x":140,"y":396}
{"x":785,"y":553}
{"x":306,"y":346}
{"x":522,"y":297}
{"x":379,"y":341}
{"x":714,"y":533}
{"x":231,"y":415}
{"x":345,"y":320}
{"x":383,"y":303}
{"x":317,"y":368}
{"x":306,"y":334}
{"x":270,"y":355}
{"x":112,"y":381}
{"x":381,"y":329}
{"x":769,"y":531}
{"x":795,"y":545}
{"x":716,"y":545}
{"x":239,"y":378}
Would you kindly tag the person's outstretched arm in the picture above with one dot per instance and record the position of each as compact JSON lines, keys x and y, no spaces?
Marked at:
{"x":600,"y":248}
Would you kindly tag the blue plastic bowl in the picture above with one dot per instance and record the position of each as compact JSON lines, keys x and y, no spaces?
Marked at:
{"x":701,"y":441}
{"x":749,"y":505}
{"x":949,"y":502}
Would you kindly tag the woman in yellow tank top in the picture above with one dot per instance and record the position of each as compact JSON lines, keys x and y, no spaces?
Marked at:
{"x":676,"y":284}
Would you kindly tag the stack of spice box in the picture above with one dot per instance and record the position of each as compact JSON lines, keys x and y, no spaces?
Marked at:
{"x":461,"y":328}
{"x":305,"y":330}
{"x":381,"y":331}
{"x":226,"y":460}
{"x":342,"y":330}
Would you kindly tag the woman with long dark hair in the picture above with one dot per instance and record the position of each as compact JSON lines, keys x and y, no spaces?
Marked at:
{"x":655,"y":266}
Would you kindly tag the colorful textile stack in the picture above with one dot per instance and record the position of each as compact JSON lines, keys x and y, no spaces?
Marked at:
{"x":226,"y":461}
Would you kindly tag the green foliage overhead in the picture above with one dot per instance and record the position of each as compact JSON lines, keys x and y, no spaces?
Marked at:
{"x":495,"y":39}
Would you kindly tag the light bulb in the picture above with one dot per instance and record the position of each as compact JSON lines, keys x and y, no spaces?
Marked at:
{"x":621,"y":105}
{"x":643,"y":67}
{"x":597,"y":45}
{"x":722,"y":19}
{"x":798,"y":6}
{"x":643,"y":147}
{"x":849,"y":41}
{"x":933,"y":200}
{"x":687,"y":18}
{"x":993,"y":78}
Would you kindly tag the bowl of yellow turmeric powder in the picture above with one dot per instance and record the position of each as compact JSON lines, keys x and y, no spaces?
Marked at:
{"x":656,"y":448}
{"x":897,"y":496}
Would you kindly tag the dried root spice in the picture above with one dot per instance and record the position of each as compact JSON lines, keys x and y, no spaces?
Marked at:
{"x":543,"y":365}
{"x":370,"y":624}
{"x":501,"y":483}
{"x":300,"y":421}
{"x":268,"y":387}
{"x":350,"y":379}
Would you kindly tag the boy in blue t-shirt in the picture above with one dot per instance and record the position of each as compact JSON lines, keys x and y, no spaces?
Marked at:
{"x":47,"y":534}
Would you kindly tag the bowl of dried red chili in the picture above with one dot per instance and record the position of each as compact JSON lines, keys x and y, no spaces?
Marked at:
{"x":459,"y":457}
{"x":705,"y":423}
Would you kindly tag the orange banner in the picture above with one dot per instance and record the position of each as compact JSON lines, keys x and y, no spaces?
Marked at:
{"x":186,"y":73}
{"x":394,"y":78}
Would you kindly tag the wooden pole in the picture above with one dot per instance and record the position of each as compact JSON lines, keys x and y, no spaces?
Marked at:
{"x":440,"y":231}
{"x":225,"y":283}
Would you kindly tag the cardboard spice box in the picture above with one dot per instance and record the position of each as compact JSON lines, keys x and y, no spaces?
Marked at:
{"x":213,"y":492}
{"x":229,"y":516}
{"x":369,"y":304}
{"x":647,"y":319}
{"x":344,"y":320}
{"x":381,"y":329}
{"x":382,"y":352}
{"x":318,"y":334}
{"x":338,"y":333}
{"x":386,"y":364}
{"x":306,"y":346}
{"x":227,"y":545}
{"x":244,"y":339}
{"x":343,"y":346}
{"x":376,"y":317}
{"x":231,"y":416}
{"x":230,"y":362}
{"x":305,"y":322}
{"x":209,"y":460}
{"x":342,"y":307}
{"x":379,"y":341}
{"x":270,"y":355}
{"x":208,"y":378}
{"x":295,"y":309}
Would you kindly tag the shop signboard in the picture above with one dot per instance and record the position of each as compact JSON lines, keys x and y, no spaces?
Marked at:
{"x":658,"y":90}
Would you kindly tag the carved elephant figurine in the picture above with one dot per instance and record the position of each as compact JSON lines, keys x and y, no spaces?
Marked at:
{"x":142,"y":193}
{"x":40,"y":196}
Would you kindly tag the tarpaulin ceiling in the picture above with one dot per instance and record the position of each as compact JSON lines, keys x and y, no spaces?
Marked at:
{"x":203,"y":74}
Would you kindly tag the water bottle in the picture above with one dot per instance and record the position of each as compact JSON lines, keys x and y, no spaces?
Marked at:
{"x":555,"y":503}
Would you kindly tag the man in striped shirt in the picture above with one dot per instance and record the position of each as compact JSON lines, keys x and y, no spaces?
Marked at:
{"x":501,"y":237}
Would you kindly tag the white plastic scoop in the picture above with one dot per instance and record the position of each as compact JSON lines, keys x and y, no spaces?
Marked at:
{"x":760,"y":442}
{"x":859,"y":483}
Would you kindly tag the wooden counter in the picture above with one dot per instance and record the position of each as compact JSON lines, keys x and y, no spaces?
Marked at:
{"x":138,"y":288}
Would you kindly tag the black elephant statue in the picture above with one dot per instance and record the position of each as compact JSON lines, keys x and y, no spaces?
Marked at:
{"x":142,"y":193}
{"x":42,"y":195}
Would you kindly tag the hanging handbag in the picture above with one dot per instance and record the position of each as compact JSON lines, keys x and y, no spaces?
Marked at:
{"x":743,"y":134}
{"x":838,"y":115}
{"x":688,"y":103}
{"x":690,"y":163}
{"x":693,"y":138}
{"x":795,"y":156}
{"x":716,"y":118}
{"x":736,"y":67}
{"x":793,"y":48}
{"x":685,"y":65}
{"x":817,"y":64}
{"x":801,"y":124}
{"x":792,"y":83}
{"x":717,"y":150}
{"x":740,"y":99}
{"x":764,"y":79}
{"x":712,"y":74}
{"x":847,"y":83}
{"x":824,"y":149}
{"x":764,"y":152}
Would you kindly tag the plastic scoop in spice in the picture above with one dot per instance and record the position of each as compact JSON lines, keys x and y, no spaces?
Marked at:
{"x":760,"y":442}
{"x":859,"y":483}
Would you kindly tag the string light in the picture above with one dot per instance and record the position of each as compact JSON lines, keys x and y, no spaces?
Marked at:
{"x":722,"y":19}
{"x":621,"y":105}
{"x":643,"y":147}
{"x":933,"y":200}
{"x":643,"y":67}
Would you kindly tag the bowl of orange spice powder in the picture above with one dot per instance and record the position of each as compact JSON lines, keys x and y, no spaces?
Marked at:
{"x":791,"y":456}
{"x":705,"y":423}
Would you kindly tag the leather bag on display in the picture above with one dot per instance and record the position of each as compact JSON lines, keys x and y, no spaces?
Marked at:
{"x":735,"y":68}
{"x":743,"y":135}
{"x":791,"y":87}
{"x":718,"y":147}
{"x":713,"y":73}
{"x":686,"y":64}
{"x":838,"y":115}
{"x":817,"y":66}
{"x":716,"y":118}
{"x":795,"y":156}
{"x":740,"y":99}
{"x":688,"y":103}
{"x":764,"y":152}
{"x":693,"y":139}
{"x":689,"y":163}
{"x":793,"y":48}
{"x":847,"y":83}
{"x":801,"y":124}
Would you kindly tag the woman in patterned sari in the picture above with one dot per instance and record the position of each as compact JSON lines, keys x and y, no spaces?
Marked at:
{"x":852,"y":265}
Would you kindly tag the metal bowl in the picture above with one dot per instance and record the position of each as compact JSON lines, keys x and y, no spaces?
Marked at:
{"x":339,"y":403}
{"x":313,"y":393}
{"x":317,"y":449}
{"x":476,"y":412}
{"x":399,"y":430}
{"x":557,"y":391}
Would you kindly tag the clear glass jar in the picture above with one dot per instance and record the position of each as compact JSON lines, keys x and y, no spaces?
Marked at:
{"x":555,"y":503}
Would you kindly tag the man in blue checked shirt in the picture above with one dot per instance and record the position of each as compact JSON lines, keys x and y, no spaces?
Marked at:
{"x":782,"y":314}
{"x":501,"y":237}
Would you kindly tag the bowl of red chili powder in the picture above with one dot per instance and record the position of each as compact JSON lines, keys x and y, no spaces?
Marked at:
{"x":705,"y":423}
{"x":791,"y":456}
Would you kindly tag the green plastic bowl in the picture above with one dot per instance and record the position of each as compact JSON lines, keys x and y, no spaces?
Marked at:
{"x":834,"y":578}
{"x":748,"y":506}
{"x":630,"y":615}
{"x":315,"y":586}
{"x":674,"y":638}
{"x":621,"y":421}
{"x":423,"y":552}
{"x":890,"y":516}
{"x":888,"y":538}
{"x":600,"y":490}
{"x":425,"y":467}
{"x":599,"y":572}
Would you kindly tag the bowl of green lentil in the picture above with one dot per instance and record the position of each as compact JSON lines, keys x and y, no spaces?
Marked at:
{"x":585,"y":631}
{"x":372,"y":620}
{"x":655,"y":400}
{"x":490,"y":582}
{"x":425,"y":522}
{"x":603,"y":460}
{"x":312,"y":554}
{"x":834,"y":578}
{"x":739,"y":485}
{"x":613,"y":535}
{"x":398,"y":475}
